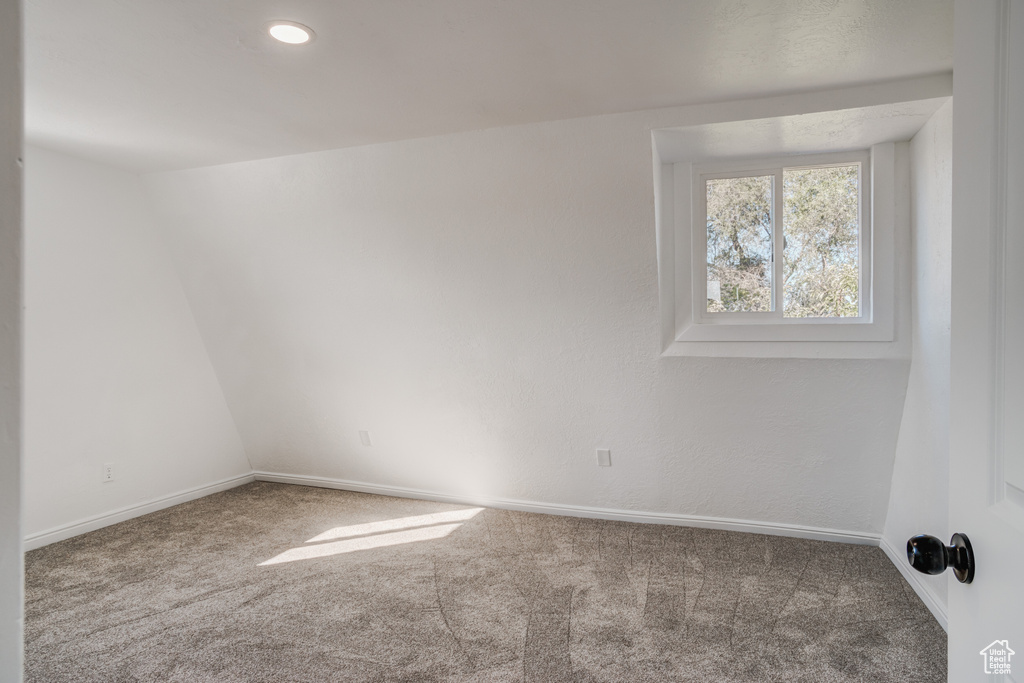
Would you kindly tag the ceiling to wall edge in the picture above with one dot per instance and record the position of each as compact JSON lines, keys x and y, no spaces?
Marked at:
{"x":664,"y":123}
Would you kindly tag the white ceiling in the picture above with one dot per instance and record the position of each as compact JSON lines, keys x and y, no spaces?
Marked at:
{"x":163,"y":84}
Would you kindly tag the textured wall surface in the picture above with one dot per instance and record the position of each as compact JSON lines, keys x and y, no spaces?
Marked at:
{"x":115,"y":370}
{"x":485,"y":304}
{"x":919,"y":502}
{"x":10,"y":342}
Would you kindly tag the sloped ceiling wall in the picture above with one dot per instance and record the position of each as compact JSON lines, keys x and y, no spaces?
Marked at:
{"x":485,"y":305}
{"x":114,"y":368}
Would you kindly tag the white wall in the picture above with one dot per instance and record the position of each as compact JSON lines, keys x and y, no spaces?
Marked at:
{"x":486,"y":305}
{"x":10,"y":342}
{"x":919,"y":500}
{"x":115,"y":369}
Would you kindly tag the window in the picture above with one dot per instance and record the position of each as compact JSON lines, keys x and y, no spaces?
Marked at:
{"x":814,"y":262}
{"x":785,"y":242}
{"x":786,"y":256}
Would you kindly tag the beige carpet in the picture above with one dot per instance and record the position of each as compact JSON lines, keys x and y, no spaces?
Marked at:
{"x":269,"y":582}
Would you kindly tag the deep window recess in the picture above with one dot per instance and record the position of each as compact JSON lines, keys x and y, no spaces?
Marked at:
{"x":783,"y":243}
{"x":788,"y":272}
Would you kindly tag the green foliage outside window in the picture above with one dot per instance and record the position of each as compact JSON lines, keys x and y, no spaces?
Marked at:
{"x":740,"y":243}
{"x":820,"y":226}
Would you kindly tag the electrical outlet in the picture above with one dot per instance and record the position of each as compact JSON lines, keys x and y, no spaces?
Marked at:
{"x":604,"y":457}
{"x":108,"y":472}
{"x":364,"y":437}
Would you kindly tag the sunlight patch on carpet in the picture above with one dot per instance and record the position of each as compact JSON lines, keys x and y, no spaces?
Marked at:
{"x":380,"y":534}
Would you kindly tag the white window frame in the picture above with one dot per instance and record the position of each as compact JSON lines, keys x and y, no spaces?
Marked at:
{"x":877,"y":279}
{"x":775,"y":167}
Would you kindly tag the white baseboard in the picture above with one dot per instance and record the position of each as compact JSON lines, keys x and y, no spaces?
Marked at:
{"x":923,"y":590}
{"x":39,"y":539}
{"x":938,"y":610}
{"x":743,"y":525}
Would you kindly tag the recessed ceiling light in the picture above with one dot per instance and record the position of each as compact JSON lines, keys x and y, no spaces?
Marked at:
{"x":290,"y":32}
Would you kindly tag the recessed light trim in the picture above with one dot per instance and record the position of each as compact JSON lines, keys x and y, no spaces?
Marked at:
{"x":290,"y":32}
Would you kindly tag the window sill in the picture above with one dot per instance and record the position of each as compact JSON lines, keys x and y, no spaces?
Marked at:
{"x":852,"y":330}
{"x":787,"y":349}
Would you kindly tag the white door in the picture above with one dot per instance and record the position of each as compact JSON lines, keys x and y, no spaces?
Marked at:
{"x":986,"y":485}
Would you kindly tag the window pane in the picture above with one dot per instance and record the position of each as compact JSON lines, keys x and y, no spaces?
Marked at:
{"x":821,"y":260}
{"x":740,"y":244}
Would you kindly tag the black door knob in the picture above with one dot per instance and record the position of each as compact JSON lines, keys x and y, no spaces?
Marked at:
{"x":929,"y":555}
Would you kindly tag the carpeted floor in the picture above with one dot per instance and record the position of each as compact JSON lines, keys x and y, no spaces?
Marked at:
{"x":270,"y":582}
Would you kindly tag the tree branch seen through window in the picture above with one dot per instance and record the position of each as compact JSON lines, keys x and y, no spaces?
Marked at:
{"x":820,"y":272}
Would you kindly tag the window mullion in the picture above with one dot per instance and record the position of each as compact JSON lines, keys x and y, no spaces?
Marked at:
{"x":777,"y":245}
